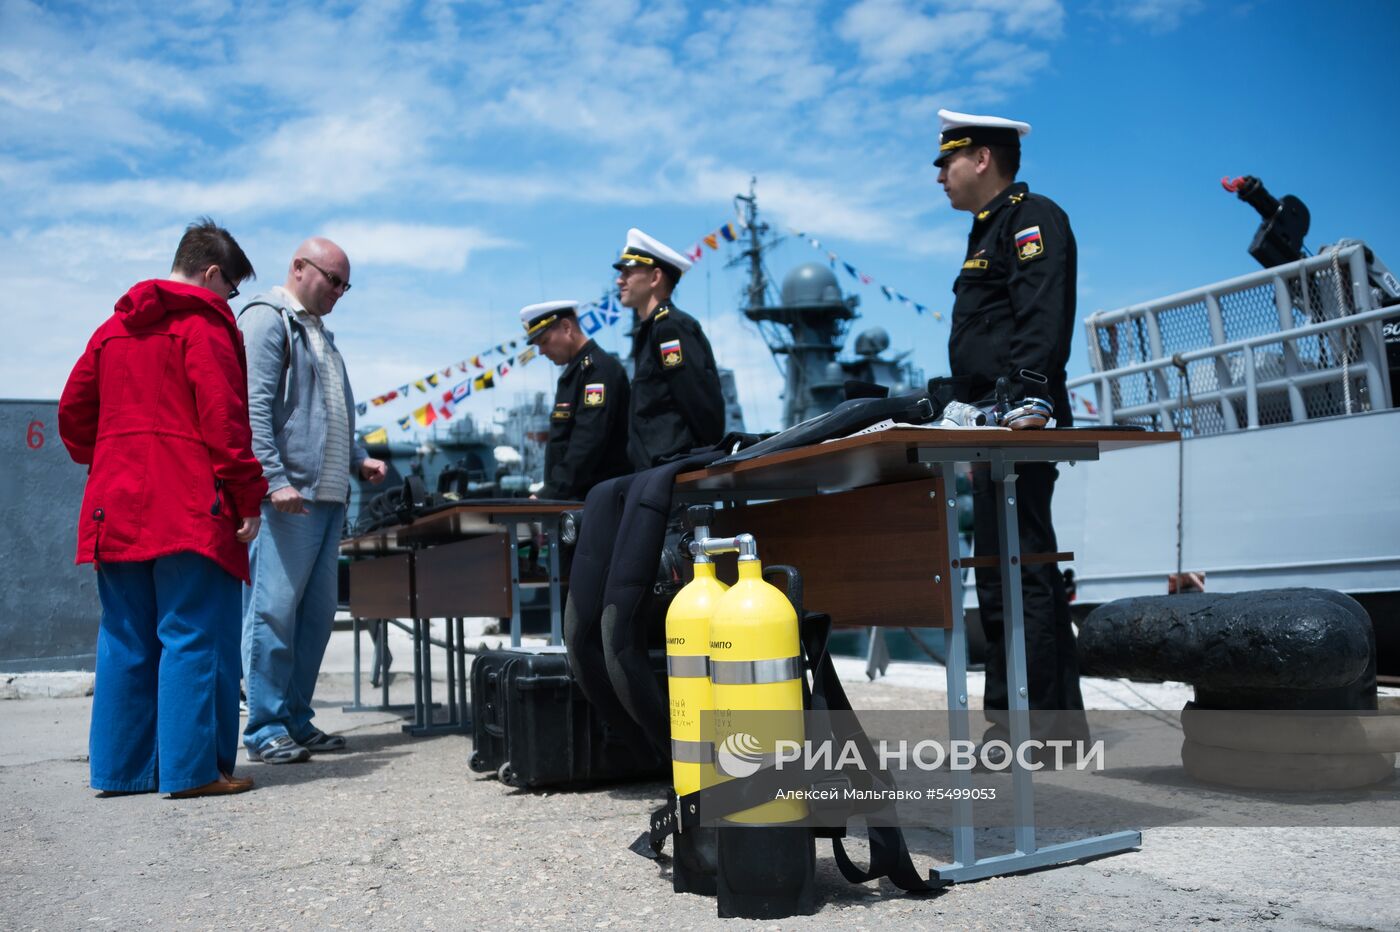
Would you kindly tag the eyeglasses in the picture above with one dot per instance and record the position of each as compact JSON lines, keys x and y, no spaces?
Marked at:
{"x":338,"y":283}
{"x":232,"y":288}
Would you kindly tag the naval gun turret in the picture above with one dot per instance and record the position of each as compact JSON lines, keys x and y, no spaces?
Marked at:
{"x":810,"y":329}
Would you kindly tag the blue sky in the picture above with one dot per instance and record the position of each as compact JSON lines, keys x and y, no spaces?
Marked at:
{"x":477,"y":157}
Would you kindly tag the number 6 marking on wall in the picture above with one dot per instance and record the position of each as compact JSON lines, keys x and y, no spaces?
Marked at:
{"x":35,"y":435}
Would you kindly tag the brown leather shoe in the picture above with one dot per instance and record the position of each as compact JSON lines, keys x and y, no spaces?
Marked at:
{"x":242,"y":781}
{"x":223,"y":786}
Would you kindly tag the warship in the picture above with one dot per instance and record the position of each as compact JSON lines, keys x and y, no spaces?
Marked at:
{"x":1283,"y":382}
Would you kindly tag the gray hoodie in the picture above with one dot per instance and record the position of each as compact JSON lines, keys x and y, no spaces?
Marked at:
{"x":285,"y":404}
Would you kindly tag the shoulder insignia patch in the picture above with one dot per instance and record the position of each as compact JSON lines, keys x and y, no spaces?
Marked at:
{"x":593,"y":395}
{"x":671,"y":353}
{"x":984,"y":215}
{"x":588,"y":361}
{"x":1017,"y":198}
{"x":975,"y":264}
{"x":661,"y":313}
{"x":1029,"y":244}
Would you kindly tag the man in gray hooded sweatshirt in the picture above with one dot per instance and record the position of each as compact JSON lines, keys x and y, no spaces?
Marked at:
{"x":303,"y":418}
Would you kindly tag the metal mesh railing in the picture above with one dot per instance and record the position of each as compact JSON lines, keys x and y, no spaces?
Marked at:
{"x":1291,"y":343}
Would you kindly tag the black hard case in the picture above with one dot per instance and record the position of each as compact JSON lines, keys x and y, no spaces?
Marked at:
{"x":532,"y":726}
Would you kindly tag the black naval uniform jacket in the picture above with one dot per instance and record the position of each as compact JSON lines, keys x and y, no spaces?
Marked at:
{"x":588,"y":427}
{"x":677,"y":404}
{"x":1015,"y":299}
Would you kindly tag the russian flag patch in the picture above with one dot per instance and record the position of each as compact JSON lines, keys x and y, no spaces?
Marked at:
{"x":1029,"y":244}
{"x":671,"y":353}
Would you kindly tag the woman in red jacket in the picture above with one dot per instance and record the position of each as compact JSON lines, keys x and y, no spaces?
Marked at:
{"x":157,"y":408}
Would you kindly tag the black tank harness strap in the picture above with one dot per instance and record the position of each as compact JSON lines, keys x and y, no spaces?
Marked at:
{"x":889,"y":852}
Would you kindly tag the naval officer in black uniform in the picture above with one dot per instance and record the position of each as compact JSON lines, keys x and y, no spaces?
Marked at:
{"x":588,"y":426}
{"x":677,"y":404}
{"x":1013,"y":317}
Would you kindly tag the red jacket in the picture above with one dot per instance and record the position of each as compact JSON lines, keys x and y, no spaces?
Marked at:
{"x":157,"y":407}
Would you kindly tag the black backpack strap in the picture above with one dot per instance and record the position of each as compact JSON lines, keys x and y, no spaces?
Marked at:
{"x":889,"y":852}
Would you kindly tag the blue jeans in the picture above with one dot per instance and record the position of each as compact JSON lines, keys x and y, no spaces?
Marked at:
{"x":288,"y":612}
{"x":165,"y":704}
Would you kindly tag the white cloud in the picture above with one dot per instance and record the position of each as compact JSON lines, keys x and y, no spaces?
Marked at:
{"x":893,"y":36}
{"x":1157,"y":15}
{"x":326,"y":160}
{"x":411,"y":245}
{"x":377,"y":123}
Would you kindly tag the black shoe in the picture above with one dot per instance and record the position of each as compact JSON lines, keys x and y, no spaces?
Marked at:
{"x":279,"y":750}
{"x":319,"y":742}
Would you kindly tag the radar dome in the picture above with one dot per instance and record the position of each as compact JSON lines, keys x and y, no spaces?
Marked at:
{"x":812,"y":283}
{"x":872,"y":342}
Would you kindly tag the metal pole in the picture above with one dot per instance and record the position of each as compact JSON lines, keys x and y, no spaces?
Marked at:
{"x":427,"y":671}
{"x":556,"y":616}
{"x":452,"y":658}
{"x":514,"y":556}
{"x":355,"y":630}
{"x":959,"y":726}
{"x":462,"y":680}
{"x":381,"y":656}
{"x":1014,"y":622}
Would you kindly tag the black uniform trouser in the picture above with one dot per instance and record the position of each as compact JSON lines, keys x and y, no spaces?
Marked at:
{"x":1052,"y":662}
{"x":611,"y":613}
{"x":588,"y":577}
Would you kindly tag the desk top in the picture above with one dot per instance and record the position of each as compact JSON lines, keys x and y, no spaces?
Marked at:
{"x":893,"y":456}
{"x":468,"y":519}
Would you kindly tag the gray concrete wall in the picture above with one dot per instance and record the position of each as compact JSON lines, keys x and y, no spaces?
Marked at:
{"x":48,"y":606}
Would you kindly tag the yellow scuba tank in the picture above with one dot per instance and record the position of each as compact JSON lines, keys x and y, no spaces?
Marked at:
{"x":687,"y":665}
{"x":688,"y":681}
{"x":755,"y":667}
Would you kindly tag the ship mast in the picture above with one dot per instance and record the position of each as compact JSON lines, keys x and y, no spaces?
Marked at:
{"x":753,"y":252}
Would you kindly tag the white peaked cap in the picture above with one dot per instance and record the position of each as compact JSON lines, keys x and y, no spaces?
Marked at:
{"x":536,"y":317}
{"x":642,"y":249}
{"x":960,"y":130}
{"x":950,"y":119}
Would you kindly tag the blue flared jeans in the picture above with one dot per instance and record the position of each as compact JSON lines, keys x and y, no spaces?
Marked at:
{"x":165,"y":703}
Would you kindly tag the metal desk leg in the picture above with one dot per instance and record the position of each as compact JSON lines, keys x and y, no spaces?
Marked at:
{"x":512,"y":528}
{"x":556,"y":617}
{"x":959,"y":726}
{"x":427,"y":647}
{"x":462,"y":679}
{"x":455,"y":696}
{"x":877,"y":654}
{"x":448,"y":635}
{"x":1026,"y":856}
{"x":355,"y":705}
{"x":419,"y":715}
{"x":379,"y":663}
{"x":381,"y":655}
{"x":1014,"y":622}
{"x":355,"y":632}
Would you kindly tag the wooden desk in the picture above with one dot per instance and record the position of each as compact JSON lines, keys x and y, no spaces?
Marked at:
{"x":468,"y":560}
{"x":899,"y":473}
{"x":457,"y":563}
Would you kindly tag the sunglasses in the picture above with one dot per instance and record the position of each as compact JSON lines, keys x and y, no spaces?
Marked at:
{"x":338,"y":283}
{"x":232,"y":287}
